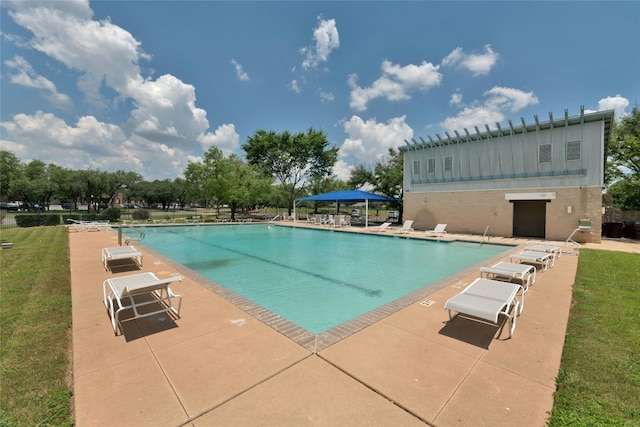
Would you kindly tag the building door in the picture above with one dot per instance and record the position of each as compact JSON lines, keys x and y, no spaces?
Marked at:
{"x":529,"y":218}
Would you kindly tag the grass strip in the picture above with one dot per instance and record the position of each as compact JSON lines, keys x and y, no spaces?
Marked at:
{"x":35,"y":319}
{"x":599,"y":379}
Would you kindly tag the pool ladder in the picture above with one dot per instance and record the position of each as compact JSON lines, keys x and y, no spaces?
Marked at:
{"x":274,"y":218}
{"x":486,"y":230}
{"x":132,"y":239}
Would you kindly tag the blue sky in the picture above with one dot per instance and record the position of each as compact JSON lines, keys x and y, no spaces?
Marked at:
{"x":148,"y":86}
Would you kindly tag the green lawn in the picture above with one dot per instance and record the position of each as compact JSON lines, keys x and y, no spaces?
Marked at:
{"x":598,"y":384}
{"x":35,"y":319}
{"x":599,"y":380}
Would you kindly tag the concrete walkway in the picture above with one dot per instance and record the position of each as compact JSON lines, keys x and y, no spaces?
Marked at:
{"x":219,"y":366}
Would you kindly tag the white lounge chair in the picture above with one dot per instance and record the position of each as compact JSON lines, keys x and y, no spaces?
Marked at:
{"x":406,"y":227}
{"x":511,"y":271}
{"x":488,"y":299}
{"x":81,"y":226}
{"x":382,"y":227}
{"x":120,"y":252}
{"x":544,"y":259}
{"x":541,"y":247}
{"x":120,"y":294}
{"x":438,"y":231}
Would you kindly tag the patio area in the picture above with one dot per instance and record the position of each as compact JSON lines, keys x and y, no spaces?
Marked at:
{"x":217,"y":365}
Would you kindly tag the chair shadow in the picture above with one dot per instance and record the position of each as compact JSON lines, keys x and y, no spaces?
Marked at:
{"x":123,"y":265}
{"x":133,"y":329}
{"x":472,"y":331}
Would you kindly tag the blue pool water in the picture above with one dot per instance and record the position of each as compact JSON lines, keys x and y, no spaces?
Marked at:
{"x":316,"y":279}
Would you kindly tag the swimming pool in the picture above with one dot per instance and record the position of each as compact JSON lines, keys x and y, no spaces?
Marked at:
{"x":317,"y":279}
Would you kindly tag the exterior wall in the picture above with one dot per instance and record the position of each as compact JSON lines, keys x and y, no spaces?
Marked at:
{"x":510,"y":161}
{"x":470,"y":212}
{"x":464,"y":181}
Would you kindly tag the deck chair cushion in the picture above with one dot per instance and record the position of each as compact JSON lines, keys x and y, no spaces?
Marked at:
{"x":488,"y":299}
{"x":120,"y":252}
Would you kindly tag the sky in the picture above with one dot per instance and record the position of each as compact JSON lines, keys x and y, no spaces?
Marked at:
{"x":149,"y":86}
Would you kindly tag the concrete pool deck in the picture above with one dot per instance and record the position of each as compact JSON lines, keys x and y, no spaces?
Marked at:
{"x":218,"y":365}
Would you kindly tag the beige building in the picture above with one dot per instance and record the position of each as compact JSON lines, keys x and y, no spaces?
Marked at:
{"x":538,"y":180}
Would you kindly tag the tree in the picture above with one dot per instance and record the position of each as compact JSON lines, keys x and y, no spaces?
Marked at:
{"x":180,"y":190}
{"x":625,"y":195}
{"x":158,"y":192}
{"x":623,"y":162}
{"x":201,"y":178}
{"x":291,"y":159}
{"x":194,"y":182}
{"x":360,"y":176}
{"x":386,"y":178}
{"x":227,"y":180}
{"x":321,"y":185}
{"x":624,"y":148}
{"x":11,"y":168}
{"x":94,"y":187}
{"x":34,"y":186}
{"x":240,"y":185}
{"x":118,"y":183}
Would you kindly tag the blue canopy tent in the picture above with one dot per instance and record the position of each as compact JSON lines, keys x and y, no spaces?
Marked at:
{"x":349,"y":196}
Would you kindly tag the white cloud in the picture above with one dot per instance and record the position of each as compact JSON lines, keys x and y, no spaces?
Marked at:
{"x":52,"y":140}
{"x":342,"y":170}
{"x":166,"y":111}
{"x":100,"y":51}
{"x":477,"y":63}
{"x":510,"y":99}
{"x":242,"y":75}
{"x":473,"y":116}
{"x":326,"y":96}
{"x":26,"y":76}
{"x":294,"y":86}
{"x":225,"y":138}
{"x":368,"y":142}
{"x":456,"y":98}
{"x":395,"y":84}
{"x":91,"y":144}
{"x":165,"y":127}
{"x":499,"y":100}
{"x":326,"y":39}
{"x":617,"y":103}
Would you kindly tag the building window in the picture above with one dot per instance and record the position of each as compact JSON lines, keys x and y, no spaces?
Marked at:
{"x":573,"y":150}
{"x":544,"y":153}
{"x":431,"y":165}
{"x":416,"y":167}
{"x":448,"y":163}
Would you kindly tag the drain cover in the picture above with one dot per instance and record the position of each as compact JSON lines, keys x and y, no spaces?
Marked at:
{"x":427,"y":302}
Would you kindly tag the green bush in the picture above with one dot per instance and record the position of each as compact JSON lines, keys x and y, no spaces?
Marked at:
{"x":140,"y":214}
{"x":111,"y":214}
{"x":36,"y":220}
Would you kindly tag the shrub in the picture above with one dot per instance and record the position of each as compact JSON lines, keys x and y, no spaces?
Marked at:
{"x":140,"y":214}
{"x":36,"y":220}
{"x":111,"y":214}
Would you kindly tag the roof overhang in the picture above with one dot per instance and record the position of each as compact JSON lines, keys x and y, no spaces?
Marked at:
{"x":605,"y":116}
